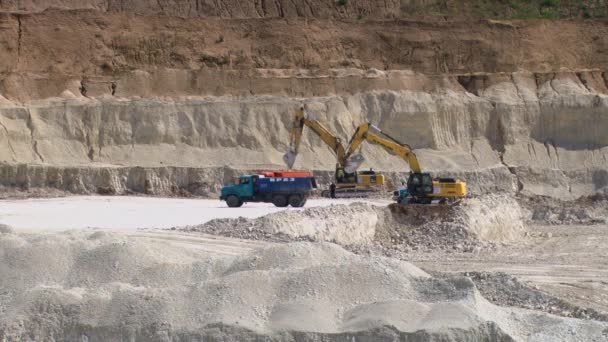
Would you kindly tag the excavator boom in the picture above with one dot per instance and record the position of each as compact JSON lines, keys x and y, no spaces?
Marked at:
{"x":375,"y":135}
{"x":301,"y":119}
{"x":422,"y":188}
{"x":347,"y":183}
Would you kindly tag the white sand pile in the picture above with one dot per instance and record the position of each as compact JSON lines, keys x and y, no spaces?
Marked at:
{"x":495,"y":218}
{"x":343,"y":224}
{"x":482,"y":221}
{"x":103,"y":287}
{"x":5,"y":229}
{"x":346,"y":225}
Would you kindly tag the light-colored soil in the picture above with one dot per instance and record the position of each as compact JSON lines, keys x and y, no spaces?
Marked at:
{"x":158,"y":286}
{"x":568,"y":262}
{"x":154,"y":285}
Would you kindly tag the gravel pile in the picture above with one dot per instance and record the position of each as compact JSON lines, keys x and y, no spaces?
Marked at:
{"x":586,"y":210}
{"x":505,"y":290}
{"x":469,"y":226}
{"x":425,"y":228}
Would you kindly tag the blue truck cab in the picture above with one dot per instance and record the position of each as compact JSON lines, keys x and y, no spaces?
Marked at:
{"x":401,"y":196}
{"x":280,"y":191}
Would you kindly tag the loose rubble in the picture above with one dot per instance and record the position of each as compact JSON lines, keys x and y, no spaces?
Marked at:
{"x":505,"y":290}
{"x":585,"y":210}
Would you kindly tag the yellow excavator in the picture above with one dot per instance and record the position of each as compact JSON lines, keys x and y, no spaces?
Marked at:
{"x":348,"y":182}
{"x":421,"y":186}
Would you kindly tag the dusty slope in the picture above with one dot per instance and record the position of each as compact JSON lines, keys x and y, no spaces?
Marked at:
{"x":102,"y":286}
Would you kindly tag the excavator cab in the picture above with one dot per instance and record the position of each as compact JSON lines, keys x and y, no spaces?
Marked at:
{"x":420,"y":184}
{"x":343,"y":177}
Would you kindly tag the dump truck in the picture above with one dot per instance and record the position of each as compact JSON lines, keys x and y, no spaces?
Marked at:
{"x":347,"y":182}
{"x":279,"y":188}
{"x":421,"y":187}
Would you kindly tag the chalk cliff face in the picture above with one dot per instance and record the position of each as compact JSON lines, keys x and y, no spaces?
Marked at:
{"x":551,"y":136}
{"x":100,"y":101}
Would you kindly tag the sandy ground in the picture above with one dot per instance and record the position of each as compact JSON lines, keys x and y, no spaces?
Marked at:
{"x":569,"y":262}
{"x":128,"y":214}
{"x":109,"y":287}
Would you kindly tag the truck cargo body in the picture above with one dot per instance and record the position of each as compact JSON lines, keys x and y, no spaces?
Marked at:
{"x":284,"y":185}
{"x":291,"y":173}
{"x":281,"y":191}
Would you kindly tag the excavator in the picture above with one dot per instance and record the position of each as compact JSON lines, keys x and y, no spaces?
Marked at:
{"x":421,"y":187}
{"x":348,"y":182}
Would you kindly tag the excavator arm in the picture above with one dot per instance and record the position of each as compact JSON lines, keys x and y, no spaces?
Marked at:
{"x":375,"y":135}
{"x":301,"y":119}
{"x":422,"y":188}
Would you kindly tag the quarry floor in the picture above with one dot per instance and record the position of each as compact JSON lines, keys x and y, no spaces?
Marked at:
{"x":130,"y":213}
{"x":569,"y":262}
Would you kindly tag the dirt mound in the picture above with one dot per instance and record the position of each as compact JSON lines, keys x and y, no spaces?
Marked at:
{"x":505,"y":290}
{"x":471,"y":225}
{"x":5,"y":229}
{"x":474,"y":223}
{"x":496,"y":218}
{"x":585,"y":210}
{"x":343,"y":224}
{"x":76,"y":286}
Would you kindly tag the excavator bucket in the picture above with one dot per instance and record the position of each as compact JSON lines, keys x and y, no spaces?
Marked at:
{"x":354,"y":162}
{"x":289,"y":158}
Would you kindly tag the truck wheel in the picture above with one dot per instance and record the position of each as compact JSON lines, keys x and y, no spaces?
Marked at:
{"x":279,"y":201}
{"x":295,"y":201}
{"x":233,"y":201}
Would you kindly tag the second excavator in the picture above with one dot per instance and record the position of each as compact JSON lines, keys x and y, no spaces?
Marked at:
{"x":348,"y":182}
{"x":421,"y":186}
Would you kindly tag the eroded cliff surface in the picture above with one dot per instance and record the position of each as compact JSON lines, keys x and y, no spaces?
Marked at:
{"x":359,"y":9}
